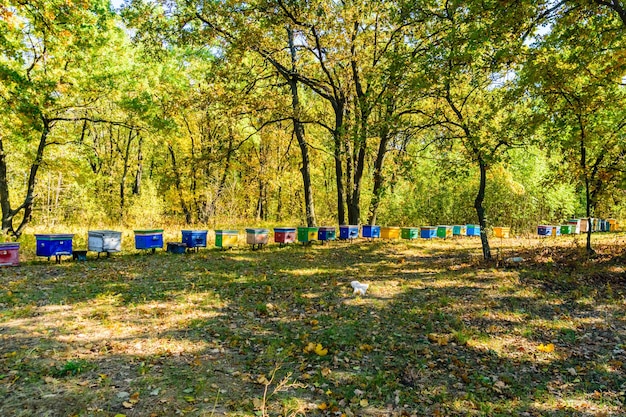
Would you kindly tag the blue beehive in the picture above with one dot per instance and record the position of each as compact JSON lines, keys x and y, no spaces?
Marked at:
{"x":543,"y":230}
{"x":55,"y":245}
{"x":348,"y":232}
{"x":371,"y":232}
{"x":194,"y":238}
{"x":149,"y":239}
{"x":326,"y":233}
{"x":473,"y":230}
{"x":428,"y":232}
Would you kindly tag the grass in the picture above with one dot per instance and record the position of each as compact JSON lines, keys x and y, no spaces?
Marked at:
{"x":279,"y":332}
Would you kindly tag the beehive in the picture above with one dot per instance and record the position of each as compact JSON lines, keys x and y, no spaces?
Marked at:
{"x":390,"y":232}
{"x":444,"y":231}
{"x":326,"y":233}
{"x":257,"y":237}
{"x":9,"y":254}
{"x":459,"y":230}
{"x":194,"y":238}
{"x":100,"y":241}
{"x":544,"y":230}
{"x":307,"y":234}
{"x":149,"y":239}
{"x":428,"y":232}
{"x":348,"y":232}
{"x":56,"y":245}
{"x":574,"y":226}
{"x":226,"y":238}
{"x":473,"y":230}
{"x":410,"y":233}
{"x":284,"y":235}
{"x":370,"y":231}
{"x":502,"y":232}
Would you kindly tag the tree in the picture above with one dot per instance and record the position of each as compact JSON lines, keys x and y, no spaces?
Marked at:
{"x":51,"y":72}
{"x":577,"y":74}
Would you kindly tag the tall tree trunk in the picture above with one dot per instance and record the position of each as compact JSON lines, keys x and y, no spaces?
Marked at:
{"x":5,"y":202}
{"x":126,"y":157}
{"x":139,"y":173}
{"x":27,"y":205}
{"x":178,"y":186}
{"x":194,"y":175}
{"x":480,"y":210}
{"x":588,"y":203}
{"x":379,"y":180}
{"x":259,"y":203}
{"x":337,"y":137}
{"x":298,"y":128}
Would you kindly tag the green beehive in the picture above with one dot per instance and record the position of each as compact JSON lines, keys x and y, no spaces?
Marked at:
{"x":307,"y":234}
{"x":566,"y":229}
{"x":226,"y":238}
{"x":410,"y":233}
{"x":444,"y":231}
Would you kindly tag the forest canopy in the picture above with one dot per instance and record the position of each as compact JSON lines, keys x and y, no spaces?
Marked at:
{"x":401,"y":112}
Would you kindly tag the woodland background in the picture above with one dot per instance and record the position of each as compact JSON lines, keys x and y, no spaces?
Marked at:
{"x":223,"y":113}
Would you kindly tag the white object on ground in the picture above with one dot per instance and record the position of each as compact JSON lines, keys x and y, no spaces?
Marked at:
{"x":359,"y":288}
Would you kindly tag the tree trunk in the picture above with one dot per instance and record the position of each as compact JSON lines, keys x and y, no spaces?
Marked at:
{"x":139,"y":173}
{"x":379,"y":180}
{"x":27,"y":205}
{"x":354,"y":204}
{"x":126,"y":157}
{"x":480,"y":210}
{"x":5,"y":202}
{"x":583,"y":164}
{"x":298,"y":128}
{"x":337,"y":134}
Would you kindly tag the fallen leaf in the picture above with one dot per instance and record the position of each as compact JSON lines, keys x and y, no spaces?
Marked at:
{"x":126,"y":404}
{"x":322,"y":406}
{"x":320,"y":351}
{"x":325,"y":372}
{"x":549,"y":348}
{"x":364,"y":402}
{"x":134,"y":399}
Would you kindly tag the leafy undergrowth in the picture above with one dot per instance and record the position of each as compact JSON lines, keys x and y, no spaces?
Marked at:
{"x":279,"y":332}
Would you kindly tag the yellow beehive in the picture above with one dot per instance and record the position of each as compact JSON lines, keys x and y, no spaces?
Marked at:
{"x":390,"y":232}
{"x":502,"y":232}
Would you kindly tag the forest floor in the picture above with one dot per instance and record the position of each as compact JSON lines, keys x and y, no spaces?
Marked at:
{"x":279,"y":331}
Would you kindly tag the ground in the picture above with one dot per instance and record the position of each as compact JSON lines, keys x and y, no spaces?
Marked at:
{"x":279,"y":331}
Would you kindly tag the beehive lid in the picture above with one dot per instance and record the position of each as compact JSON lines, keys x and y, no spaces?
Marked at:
{"x":148,"y":231}
{"x":103,"y":233}
{"x":9,"y":245}
{"x":194,"y":231}
{"x":257,"y":231}
{"x":284,"y":229}
{"x":56,"y":236}
{"x":226,"y":232}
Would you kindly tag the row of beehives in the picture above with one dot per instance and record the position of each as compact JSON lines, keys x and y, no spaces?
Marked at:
{"x":109,"y":241}
{"x":577,"y":226}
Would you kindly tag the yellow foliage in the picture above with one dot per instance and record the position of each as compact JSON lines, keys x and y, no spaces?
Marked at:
{"x":546,"y":348}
